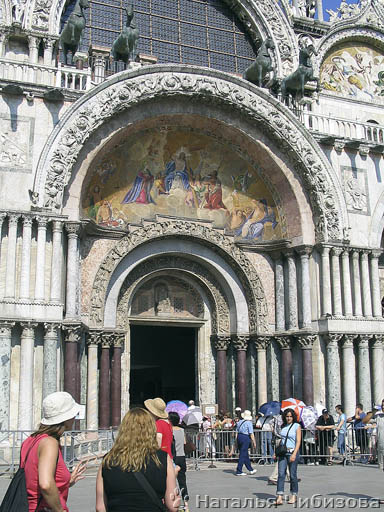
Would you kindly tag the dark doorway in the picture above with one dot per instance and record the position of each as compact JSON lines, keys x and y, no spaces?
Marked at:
{"x":162,"y":363}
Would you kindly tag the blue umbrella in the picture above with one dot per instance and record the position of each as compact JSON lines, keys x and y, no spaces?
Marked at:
{"x":177,"y":406}
{"x":270,"y":408}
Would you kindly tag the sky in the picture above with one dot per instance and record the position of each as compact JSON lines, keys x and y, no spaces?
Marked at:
{"x":333,"y":4}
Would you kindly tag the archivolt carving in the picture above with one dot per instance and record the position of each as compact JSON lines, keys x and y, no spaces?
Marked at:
{"x":246,"y":273}
{"x":219,"y":306}
{"x":120,"y":94}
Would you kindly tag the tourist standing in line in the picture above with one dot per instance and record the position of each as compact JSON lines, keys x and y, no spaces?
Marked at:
{"x":135,"y":475}
{"x":378,"y":418}
{"x":360,"y":432}
{"x":326,"y":437}
{"x":291,"y":438}
{"x":47,"y":477}
{"x":341,"y":428}
{"x":156,"y":406}
{"x":245,"y":436}
{"x":179,"y":459}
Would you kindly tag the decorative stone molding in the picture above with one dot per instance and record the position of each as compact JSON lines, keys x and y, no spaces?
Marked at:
{"x":13,"y":219}
{"x":94,"y":337}
{"x":261,"y":342}
{"x":339,"y":145}
{"x":51,"y":329}
{"x":6,"y":328}
{"x":285,"y":342}
{"x":118,"y":339}
{"x":27,"y":220}
{"x":332,"y":339}
{"x":72,"y":332}
{"x":73,"y":229}
{"x":363,"y":340}
{"x":41,"y":221}
{"x":348,"y":340}
{"x":221,"y":341}
{"x":28,"y":329}
{"x":120,"y":93}
{"x":364,"y":149}
{"x":246,"y":272}
{"x":378,"y":341}
{"x":106,"y":339}
{"x":240,"y":341}
{"x":306,"y":341}
{"x":218,"y":302}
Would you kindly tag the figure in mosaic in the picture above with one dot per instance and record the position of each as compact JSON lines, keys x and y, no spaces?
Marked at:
{"x":124,"y":47}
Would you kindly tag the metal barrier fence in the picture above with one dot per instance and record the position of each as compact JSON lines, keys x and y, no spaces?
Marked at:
{"x":209,"y":446}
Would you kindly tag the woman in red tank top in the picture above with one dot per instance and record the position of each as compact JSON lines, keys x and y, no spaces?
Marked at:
{"x":47,"y":477}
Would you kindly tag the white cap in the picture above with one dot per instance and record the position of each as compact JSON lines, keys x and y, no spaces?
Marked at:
{"x":59,"y":407}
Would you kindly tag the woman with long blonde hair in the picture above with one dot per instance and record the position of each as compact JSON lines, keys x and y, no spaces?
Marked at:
{"x":136,"y":475}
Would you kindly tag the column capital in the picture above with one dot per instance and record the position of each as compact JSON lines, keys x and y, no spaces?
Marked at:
{"x":13,"y":218}
{"x":363,"y":340}
{"x":48,"y":42}
{"x":348,"y":340}
{"x":306,"y":341}
{"x":57,"y":226}
{"x":276,"y":255}
{"x":285,"y":342}
{"x":106,"y":339}
{"x":304,"y":250}
{"x":72,"y":332}
{"x":27,"y":220}
{"x":364,"y":149}
{"x":261,"y":342}
{"x":325,"y":249}
{"x":364,"y":254}
{"x":355,"y":252}
{"x":345,"y":252}
{"x":221,"y":341}
{"x":73,"y":229}
{"x":41,"y":221}
{"x":336,"y":251}
{"x":94,"y":337}
{"x":50,"y":329}
{"x":378,"y":341}
{"x":6,"y":327}
{"x":240,"y":341}
{"x":33,"y":41}
{"x":332,"y":339}
{"x":118,"y":339}
{"x":28,"y":328}
{"x":289,"y":253}
{"x":376,"y":253}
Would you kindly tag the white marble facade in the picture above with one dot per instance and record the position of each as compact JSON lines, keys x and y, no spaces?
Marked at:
{"x":301,"y":315}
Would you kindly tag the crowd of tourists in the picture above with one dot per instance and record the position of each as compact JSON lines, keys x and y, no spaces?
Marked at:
{"x":145,"y":470}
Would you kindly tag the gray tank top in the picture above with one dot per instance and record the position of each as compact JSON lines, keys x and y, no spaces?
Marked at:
{"x":179,"y":442}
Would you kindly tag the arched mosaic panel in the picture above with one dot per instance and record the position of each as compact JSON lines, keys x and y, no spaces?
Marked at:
{"x":182,"y":173}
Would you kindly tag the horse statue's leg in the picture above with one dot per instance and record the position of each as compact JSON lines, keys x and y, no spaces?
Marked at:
{"x":260,"y":75}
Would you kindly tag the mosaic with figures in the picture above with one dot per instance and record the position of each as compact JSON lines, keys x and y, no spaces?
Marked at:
{"x":184,"y":174}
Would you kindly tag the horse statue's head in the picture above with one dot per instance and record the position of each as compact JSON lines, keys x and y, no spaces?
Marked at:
{"x":269,"y":43}
{"x":84,"y":4}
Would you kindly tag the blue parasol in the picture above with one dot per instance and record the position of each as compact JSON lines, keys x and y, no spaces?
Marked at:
{"x":270,"y":408}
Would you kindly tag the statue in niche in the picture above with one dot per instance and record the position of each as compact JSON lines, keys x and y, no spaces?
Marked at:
{"x":162,"y":300}
{"x":294,"y":84}
{"x":306,"y":8}
{"x":18,"y":7}
{"x":258,"y":70}
{"x":125,"y":46}
{"x":72,"y":33}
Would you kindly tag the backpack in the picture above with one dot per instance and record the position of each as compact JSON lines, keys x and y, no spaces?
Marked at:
{"x":16,"y":498}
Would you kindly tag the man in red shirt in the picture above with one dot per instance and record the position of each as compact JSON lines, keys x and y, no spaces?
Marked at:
{"x":156,"y":406}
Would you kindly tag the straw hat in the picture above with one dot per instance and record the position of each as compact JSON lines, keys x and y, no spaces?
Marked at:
{"x":246,"y":415}
{"x":59,"y":407}
{"x":157,"y":407}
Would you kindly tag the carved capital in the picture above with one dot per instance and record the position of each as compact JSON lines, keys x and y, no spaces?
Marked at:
{"x":355,"y":254}
{"x":378,"y":341}
{"x":306,"y":341}
{"x":221,"y":341}
{"x":51,"y":329}
{"x":72,"y":332}
{"x":13,"y":219}
{"x":348,"y":340}
{"x":28,"y":329}
{"x":94,"y":337}
{"x":261,"y":342}
{"x":118,"y":339}
{"x":364,"y":149}
{"x":73,"y":229}
{"x":332,"y":339}
{"x":106,"y":339}
{"x":325,"y":250}
{"x":285,"y":342}
{"x":2,"y":217}
{"x":339,"y":145}
{"x":336,"y":251}
{"x":41,"y":222}
{"x":27,"y":221}
{"x":304,"y":251}
{"x":6,"y":328}
{"x":376,"y":253}
{"x":48,"y":42}
{"x":364,"y":255}
{"x":33,"y":41}
{"x":57,"y":226}
{"x":345,"y":253}
{"x":363,"y":340}
{"x":240,"y":341}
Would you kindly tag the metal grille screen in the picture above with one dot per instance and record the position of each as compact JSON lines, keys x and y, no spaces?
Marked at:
{"x":199,"y":32}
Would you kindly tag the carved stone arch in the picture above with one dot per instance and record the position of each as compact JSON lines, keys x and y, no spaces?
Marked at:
{"x":342,"y":35}
{"x":245,"y":271}
{"x":128,"y":89}
{"x":178,"y":265}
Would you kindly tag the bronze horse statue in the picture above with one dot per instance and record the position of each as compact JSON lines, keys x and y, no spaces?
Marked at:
{"x":294,"y":84}
{"x":72,"y":32}
{"x":257,"y":71}
{"x":125,"y":46}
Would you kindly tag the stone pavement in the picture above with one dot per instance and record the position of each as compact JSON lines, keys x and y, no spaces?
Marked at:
{"x":350,"y":487}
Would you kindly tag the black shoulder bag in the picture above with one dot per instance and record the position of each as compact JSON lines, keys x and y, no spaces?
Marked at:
{"x":143,"y":482}
{"x":281,"y":450}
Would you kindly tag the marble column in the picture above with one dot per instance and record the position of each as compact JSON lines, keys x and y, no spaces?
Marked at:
{"x":365,"y":285}
{"x":33,"y":43}
{"x":306,"y":343}
{"x":333,"y":396}
{"x":73,"y":230}
{"x":48,"y":50}
{"x":375,"y":283}
{"x":347,"y":291}
{"x":51,"y":339}
{"x":326,"y":282}
{"x":5,"y":372}
{"x":117,"y":341}
{"x":356,"y":289}
{"x":2,"y":217}
{"x":336,"y":288}
{"x":306,"y":287}
{"x":27,"y":348}
{"x":377,"y":369}
{"x":240,"y":342}
{"x":105,"y":383}
{"x":279,"y":293}
{"x":25,"y":271}
{"x":40,"y":258}
{"x":349,"y":375}
{"x":285,"y":344}
{"x":363,"y":374}
{"x":57,"y":260}
{"x":221,"y":343}
{"x":10,"y":275}
{"x":72,"y":337}
{"x":261,"y":344}
{"x":93,"y":341}
{"x":292,"y":291}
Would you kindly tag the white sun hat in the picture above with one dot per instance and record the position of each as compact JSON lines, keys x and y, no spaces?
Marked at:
{"x":246,"y":415}
{"x":59,"y":407}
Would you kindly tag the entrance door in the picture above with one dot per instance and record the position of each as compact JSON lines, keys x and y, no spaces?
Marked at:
{"x":162,"y":363}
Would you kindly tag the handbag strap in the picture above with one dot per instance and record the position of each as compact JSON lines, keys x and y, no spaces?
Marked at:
{"x":143,"y":482}
{"x":286,"y":437}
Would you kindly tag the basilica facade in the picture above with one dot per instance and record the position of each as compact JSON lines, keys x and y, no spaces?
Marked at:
{"x":199,"y":217}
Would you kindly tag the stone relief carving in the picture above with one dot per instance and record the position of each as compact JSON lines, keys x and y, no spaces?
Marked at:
{"x":355,"y":184}
{"x":40,"y":15}
{"x":247,"y":274}
{"x":218,"y":303}
{"x":346,"y":10}
{"x":119,"y":97}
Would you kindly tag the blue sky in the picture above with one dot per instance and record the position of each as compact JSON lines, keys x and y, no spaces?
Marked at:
{"x":333,"y":4}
